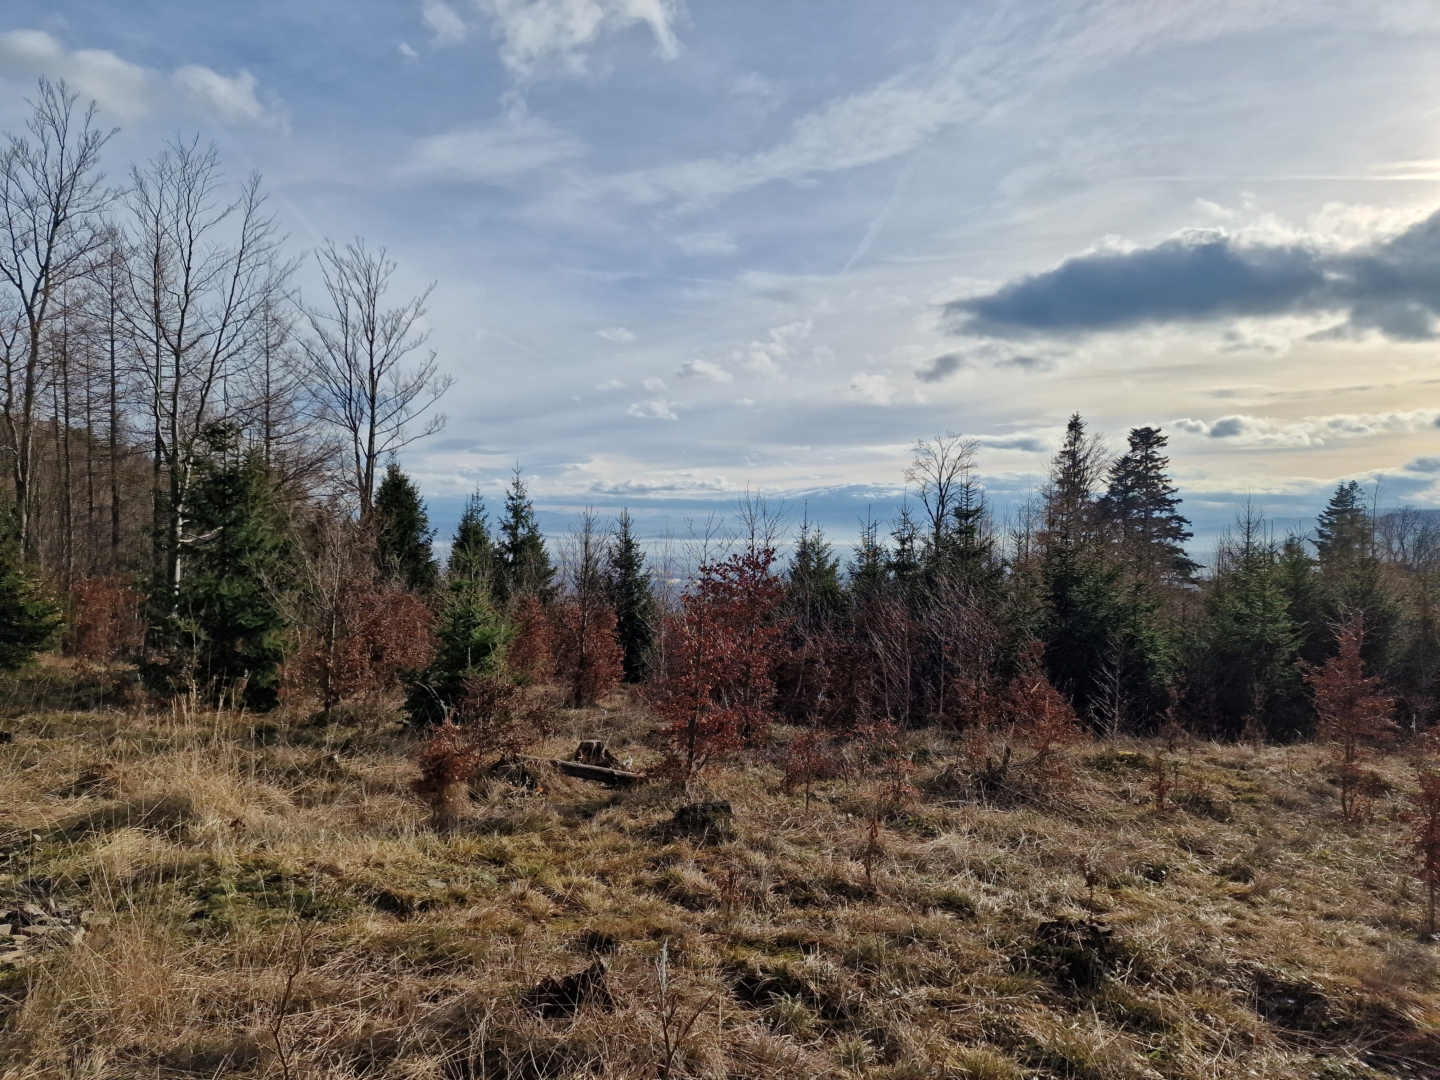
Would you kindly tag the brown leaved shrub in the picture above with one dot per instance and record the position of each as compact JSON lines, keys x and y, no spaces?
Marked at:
{"x":104,"y":622}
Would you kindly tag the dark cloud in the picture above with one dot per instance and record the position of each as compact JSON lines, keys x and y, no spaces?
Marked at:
{"x":1032,"y":364}
{"x":1392,"y":287}
{"x":940,"y":367}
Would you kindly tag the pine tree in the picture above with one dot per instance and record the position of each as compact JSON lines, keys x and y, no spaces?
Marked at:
{"x":1352,"y":574}
{"x":472,"y":551}
{"x":1103,"y":642}
{"x":813,"y":591}
{"x":29,"y":618}
{"x":1344,"y":533}
{"x":903,"y":565}
{"x":403,"y":542}
{"x":629,"y":592}
{"x":1247,"y":663}
{"x":867,"y":571}
{"x":1141,"y":507}
{"x":524,"y":561}
{"x":227,"y":627}
{"x":472,"y":641}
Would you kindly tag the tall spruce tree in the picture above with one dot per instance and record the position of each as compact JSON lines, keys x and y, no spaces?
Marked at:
{"x":227,"y":628}
{"x":868,"y":568}
{"x":525,"y":566}
{"x":472,"y":551}
{"x":1141,"y":508}
{"x":1103,"y":643}
{"x":629,"y":592}
{"x":1246,"y":668}
{"x":812,"y":588}
{"x":403,"y":541}
{"x":1353,"y":576}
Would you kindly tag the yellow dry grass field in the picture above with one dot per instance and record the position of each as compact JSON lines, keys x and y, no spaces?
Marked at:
{"x":214,"y":894}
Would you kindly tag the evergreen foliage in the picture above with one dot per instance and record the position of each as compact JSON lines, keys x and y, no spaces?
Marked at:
{"x":1247,"y":669}
{"x":403,"y":541}
{"x":225,"y":626}
{"x":524,"y":561}
{"x":813,"y":592}
{"x":472,"y":639}
{"x":868,"y":569}
{"x":30,"y":618}
{"x":472,"y":551}
{"x":1142,"y":508}
{"x":631,"y":596}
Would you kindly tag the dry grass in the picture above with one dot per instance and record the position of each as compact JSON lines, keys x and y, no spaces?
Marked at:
{"x":266,"y":898}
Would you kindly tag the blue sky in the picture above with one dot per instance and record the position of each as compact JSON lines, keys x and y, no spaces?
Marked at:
{"x":685,"y":248}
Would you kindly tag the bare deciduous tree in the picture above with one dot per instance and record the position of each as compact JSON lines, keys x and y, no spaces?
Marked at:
{"x":51,"y":201}
{"x":941,"y":470}
{"x":357,"y":354}
{"x":203,"y":275}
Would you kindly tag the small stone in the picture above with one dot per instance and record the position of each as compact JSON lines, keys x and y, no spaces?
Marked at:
{"x":7,"y":929}
{"x":34,"y":911}
{"x":14,"y":956}
{"x":433,"y":883}
{"x":39,"y":930}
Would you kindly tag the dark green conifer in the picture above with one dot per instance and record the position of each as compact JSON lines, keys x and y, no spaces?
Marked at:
{"x":402,"y":544}
{"x":29,"y":617}
{"x":1141,"y":508}
{"x":629,"y":592}
{"x":472,"y":639}
{"x":868,"y":567}
{"x":524,"y":561}
{"x":227,"y":626}
{"x":472,"y":552}
{"x":812,"y":589}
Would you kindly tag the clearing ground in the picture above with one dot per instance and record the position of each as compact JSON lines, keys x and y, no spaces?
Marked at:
{"x":215,"y":894}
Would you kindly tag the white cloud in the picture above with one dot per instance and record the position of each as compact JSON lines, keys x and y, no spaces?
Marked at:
{"x":446,"y":26}
{"x":704,"y":369}
{"x":231,"y":99}
{"x":764,"y":357}
{"x":1263,"y":431}
{"x":654,"y":385}
{"x":663,"y":482}
{"x":617,"y":334}
{"x":707,"y":243}
{"x":860,"y":129}
{"x":501,"y":153}
{"x":611,"y":384}
{"x":119,"y":86}
{"x":532,"y":31}
{"x":658,"y":409}
{"x":129,"y":91}
{"x":407,"y":51}
{"x":875,"y":389}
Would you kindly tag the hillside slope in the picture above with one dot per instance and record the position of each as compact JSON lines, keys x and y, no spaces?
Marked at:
{"x":216,"y":894}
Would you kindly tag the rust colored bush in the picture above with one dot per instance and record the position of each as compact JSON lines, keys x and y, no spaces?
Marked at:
{"x":717,"y":691}
{"x":1425,"y":845}
{"x":1354,"y":716}
{"x":497,"y":716}
{"x":447,"y":760}
{"x":531,"y":657}
{"x":807,"y":760}
{"x":589,"y":662}
{"x":104,"y":622}
{"x":1015,"y":738}
{"x":374,"y":634}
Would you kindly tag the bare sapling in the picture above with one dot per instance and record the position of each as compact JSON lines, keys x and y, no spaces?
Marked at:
{"x":1425,"y":840}
{"x":1355,"y":717}
{"x":447,"y":761}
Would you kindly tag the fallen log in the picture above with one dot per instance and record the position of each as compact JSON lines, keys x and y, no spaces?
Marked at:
{"x":598,"y":773}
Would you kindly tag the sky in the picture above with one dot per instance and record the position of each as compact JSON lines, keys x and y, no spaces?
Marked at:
{"x":686,"y":248}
